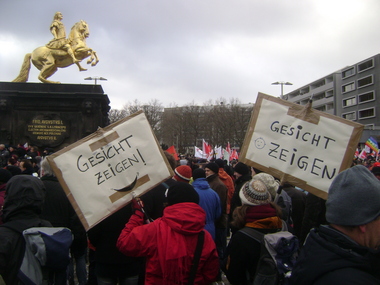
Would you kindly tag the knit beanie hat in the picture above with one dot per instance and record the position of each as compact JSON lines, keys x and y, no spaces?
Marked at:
{"x":5,"y":175}
{"x":241,"y":168}
{"x":213,"y":167}
{"x":269,"y":181}
{"x":254,"y":193}
{"x":182,"y":192}
{"x":182,"y":173}
{"x":220,"y":162}
{"x":199,"y":173}
{"x":354,"y":197}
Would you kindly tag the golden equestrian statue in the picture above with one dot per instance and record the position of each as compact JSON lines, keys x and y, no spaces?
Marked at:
{"x":60,"y":51}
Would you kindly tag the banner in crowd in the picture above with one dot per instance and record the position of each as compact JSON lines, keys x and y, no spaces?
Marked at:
{"x":100,"y":172}
{"x":210,"y":153}
{"x":298,"y":144}
{"x":363,"y":154}
{"x":356,"y":155}
{"x":371,"y":144}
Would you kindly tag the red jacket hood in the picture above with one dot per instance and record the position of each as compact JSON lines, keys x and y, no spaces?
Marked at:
{"x":223,"y":174}
{"x":185,"y":218}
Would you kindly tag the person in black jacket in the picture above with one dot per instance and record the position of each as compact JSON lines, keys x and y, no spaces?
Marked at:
{"x":243,"y":175}
{"x":257,"y":212}
{"x":298,"y":207}
{"x":314,"y":215}
{"x":155,"y":200}
{"x":24,"y":198}
{"x":111,"y":266}
{"x":212,"y":177}
{"x":59,"y":212}
{"x":347,"y":250}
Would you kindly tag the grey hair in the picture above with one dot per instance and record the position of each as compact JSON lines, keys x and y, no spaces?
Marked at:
{"x":46,"y":168}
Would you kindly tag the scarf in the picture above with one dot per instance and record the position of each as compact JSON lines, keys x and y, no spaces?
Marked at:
{"x":262,"y":217}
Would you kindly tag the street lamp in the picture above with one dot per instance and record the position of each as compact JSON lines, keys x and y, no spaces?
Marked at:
{"x":282,"y":83}
{"x":96,"y":78}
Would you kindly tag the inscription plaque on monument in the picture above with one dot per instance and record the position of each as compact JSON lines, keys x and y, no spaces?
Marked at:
{"x":52,"y":131}
{"x":50,"y":115}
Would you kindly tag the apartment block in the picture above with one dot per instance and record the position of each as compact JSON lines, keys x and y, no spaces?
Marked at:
{"x":352,"y":92}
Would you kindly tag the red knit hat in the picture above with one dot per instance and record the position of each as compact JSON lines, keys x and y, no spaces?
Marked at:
{"x":183,"y":173}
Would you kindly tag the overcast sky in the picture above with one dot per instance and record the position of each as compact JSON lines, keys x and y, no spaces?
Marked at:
{"x":191,"y":51}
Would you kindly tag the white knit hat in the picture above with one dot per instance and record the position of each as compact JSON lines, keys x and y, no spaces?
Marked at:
{"x":269,"y":181}
{"x":254,"y":193}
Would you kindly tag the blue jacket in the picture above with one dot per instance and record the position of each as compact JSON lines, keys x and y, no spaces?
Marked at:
{"x":210,"y":202}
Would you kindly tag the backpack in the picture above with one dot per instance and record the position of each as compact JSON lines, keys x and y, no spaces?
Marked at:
{"x":278,"y":255}
{"x":46,"y":249}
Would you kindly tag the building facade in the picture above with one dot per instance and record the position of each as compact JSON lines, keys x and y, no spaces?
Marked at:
{"x":352,"y":92}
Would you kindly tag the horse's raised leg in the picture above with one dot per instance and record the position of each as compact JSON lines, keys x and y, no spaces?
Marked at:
{"x":80,"y":67}
{"x":92,"y":57}
{"x":96,"y":58}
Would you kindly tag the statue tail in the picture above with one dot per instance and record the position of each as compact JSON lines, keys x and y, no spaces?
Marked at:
{"x":25,"y":68}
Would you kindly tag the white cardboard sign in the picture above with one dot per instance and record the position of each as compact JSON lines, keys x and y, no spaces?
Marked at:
{"x":299,"y":145}
{"x":100,"y":172}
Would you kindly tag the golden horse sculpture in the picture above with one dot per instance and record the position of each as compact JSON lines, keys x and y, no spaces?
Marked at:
{"x":48,"y":60}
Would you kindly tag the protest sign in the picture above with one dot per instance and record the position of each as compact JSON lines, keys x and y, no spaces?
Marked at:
{"x":299,"y":145}
{"x":100,"y":172}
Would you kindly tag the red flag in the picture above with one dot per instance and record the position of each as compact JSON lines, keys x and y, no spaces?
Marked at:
{"x":172,"y":151}
{"x":234,"y":155}
{"x":228,"y":148}
{"x":206,"y":148}
{"x":363,"y":154}
{"x":356,"y":155}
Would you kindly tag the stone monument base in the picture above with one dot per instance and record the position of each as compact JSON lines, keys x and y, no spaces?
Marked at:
{"x":50,"y":115}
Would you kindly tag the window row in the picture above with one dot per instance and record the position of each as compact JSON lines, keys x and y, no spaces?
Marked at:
{"x":362,"y":114}
{"x":360,"y":83}
{"x":326,"y":107}
{"x":361,"y":98}
{"x":362,"y":66}
{"x":316,"y":97}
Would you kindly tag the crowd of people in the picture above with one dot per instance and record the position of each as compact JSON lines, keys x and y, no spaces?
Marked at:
{"x":188,"y":229}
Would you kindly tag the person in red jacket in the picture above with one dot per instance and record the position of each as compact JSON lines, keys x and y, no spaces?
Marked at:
{"x":169,"y":242}
{"x":227,"y":180}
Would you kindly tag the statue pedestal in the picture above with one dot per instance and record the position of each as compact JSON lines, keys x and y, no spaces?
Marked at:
{"x":50,"y":115}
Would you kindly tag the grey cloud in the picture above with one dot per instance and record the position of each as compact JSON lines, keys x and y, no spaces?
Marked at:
{"x":184,"y":51}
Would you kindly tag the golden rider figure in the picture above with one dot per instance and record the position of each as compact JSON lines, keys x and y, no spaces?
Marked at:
{"x":60,"y":42}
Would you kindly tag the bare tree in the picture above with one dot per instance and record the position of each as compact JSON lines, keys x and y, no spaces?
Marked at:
{"x":242,"y":115}
{"x":153,"y":111}
{"x":227,"y":121}
{"x":172,"y":126}
{"x":218,"y":122}
{"x":132,"y":107}
{"x":195,"y":124}
{"x":115,"y":115}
